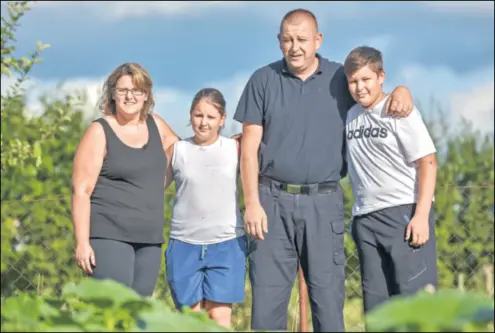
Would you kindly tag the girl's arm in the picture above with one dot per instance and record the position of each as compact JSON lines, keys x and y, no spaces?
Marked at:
{"x":169,"y":175}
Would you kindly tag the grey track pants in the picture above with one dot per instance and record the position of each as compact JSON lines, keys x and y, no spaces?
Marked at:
{"x":389,"y":265}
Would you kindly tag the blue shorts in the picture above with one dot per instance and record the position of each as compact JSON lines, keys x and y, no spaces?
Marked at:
{"x":214,"y":272}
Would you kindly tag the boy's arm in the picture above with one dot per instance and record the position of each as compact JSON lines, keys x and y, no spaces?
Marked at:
{"x":418,"y":229}
{"x":427,"y":177}
{"x":419,"y":149}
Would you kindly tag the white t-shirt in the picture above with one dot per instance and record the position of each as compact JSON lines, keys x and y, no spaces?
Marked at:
{"x":381,"y":155}
{"x":205,"y":210}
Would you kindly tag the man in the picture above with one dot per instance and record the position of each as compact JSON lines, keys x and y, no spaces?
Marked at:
{"x":293,"y":113}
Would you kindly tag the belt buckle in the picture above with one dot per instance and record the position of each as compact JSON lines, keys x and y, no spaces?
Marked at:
{"x":294,"y":189}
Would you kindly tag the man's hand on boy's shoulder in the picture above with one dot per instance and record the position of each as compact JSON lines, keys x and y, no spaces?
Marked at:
{"x":400,"y":104}
{"x":237,"y":137}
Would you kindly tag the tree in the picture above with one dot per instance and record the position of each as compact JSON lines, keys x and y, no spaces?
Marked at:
{"x":37,"y":240}
{"x":14,"y":151}
{"x":464,"y":209}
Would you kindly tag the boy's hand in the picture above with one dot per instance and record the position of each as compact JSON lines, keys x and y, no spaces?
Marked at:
{"x":418,"y":231}
{"x":400,"y":104}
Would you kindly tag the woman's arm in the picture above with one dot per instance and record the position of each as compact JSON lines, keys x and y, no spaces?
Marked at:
{"x":169,"y":138}
{"x":166,"y":134}
{"x":87,"y":165}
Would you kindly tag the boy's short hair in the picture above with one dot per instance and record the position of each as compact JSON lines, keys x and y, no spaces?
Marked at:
{"x":363,"y":56}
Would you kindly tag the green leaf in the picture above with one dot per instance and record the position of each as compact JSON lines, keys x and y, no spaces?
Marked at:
{"x":85,"y":315}
{"x":17,"y":308}
{"x":26,"y":61}
{"x":94,"y":327}
{"x":37,"y":149}
{"x":102,"y":292}
{"x":64,"y":319}
{"x":446,"y":309}
{"x":68,"y":328}
{"x":136,"y":305}
{"x":48,"y":310}
{"x":160,"y":318}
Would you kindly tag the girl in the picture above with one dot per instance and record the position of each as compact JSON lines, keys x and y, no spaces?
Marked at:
{"x":205,"y":258}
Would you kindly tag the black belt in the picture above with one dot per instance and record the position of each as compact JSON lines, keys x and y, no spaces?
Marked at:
{"x":324,"y":187}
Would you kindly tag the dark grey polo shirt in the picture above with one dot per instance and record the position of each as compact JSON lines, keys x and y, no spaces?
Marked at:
{"x":303,"y":121}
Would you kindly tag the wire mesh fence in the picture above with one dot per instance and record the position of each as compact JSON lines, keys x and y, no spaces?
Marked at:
{"x":37,"y":251}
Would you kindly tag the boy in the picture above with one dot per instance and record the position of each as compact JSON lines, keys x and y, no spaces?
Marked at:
{"x":392,"y":165}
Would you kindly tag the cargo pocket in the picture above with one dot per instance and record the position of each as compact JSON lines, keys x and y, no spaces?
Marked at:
{"x":338,"y":229}
{"x":410,"y":268}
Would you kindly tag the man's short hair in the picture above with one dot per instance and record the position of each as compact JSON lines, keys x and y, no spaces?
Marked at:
{"x":363,"y":56}
{"x":298,"y":12}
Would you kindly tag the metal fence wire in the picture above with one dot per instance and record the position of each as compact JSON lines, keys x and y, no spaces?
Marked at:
{"x":37,"y":251}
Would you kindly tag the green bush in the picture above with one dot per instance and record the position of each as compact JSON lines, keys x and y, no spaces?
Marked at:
{"x":107,"y":306}
{"x":443,"y":311}
{"x":98,"y":306}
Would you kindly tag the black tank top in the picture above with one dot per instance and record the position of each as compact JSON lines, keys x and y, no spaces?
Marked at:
{"x":127,"y":203}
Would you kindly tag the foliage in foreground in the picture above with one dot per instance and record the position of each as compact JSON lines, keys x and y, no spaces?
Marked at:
{"x":444,"y":311}
{"x":98,"y":306}
{"x":107,"y":306}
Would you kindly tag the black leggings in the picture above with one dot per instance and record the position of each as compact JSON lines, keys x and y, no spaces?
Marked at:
{"x":135,"y":265}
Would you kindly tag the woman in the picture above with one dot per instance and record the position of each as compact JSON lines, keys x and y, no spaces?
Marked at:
{"x":118,"y":184}
{"x":206,"y":256}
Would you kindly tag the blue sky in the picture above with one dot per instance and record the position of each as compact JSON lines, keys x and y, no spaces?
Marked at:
{"x":443,"y":49}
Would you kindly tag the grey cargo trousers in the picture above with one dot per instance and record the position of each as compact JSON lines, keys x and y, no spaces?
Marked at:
{"x":306,"y":229}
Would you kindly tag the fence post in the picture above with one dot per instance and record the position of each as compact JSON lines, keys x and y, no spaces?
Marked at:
{"x":303,"y":301}
{"x":461,"y":282}
{"x":488,"y":270}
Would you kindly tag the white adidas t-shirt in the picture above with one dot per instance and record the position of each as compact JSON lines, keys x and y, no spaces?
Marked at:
{"x":381,"y":155}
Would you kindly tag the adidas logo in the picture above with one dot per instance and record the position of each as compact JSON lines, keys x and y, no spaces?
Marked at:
{"x":370,"y":132}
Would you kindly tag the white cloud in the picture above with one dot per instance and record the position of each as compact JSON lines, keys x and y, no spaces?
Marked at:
{"x":476,"y":105}
{"x":271,"y":10}
{"x":476,"y":7}
{"x":458,"y":95}
{"x":171,"y":103}
{"x":380,"y":42}
{"x":325,"y":11}
{"x":35,"y":89}
{"x":118,"y":10}
{"x":127,"y":9}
